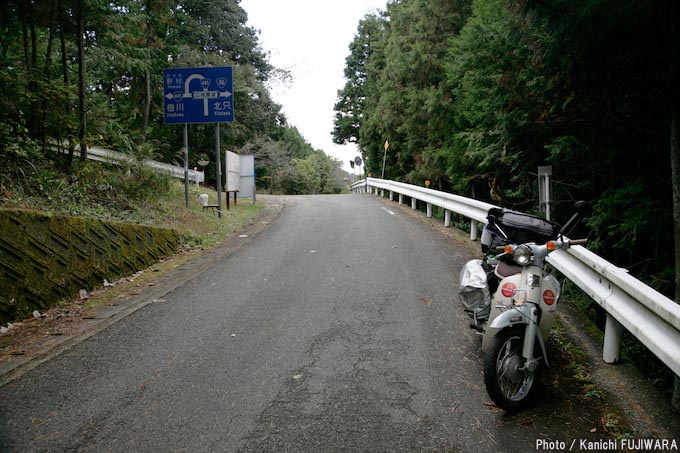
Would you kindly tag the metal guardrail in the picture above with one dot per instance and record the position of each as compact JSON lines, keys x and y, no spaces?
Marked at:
{"x":653,"y":318}
{"x":114,"y":157}
{"x":473,"y":209}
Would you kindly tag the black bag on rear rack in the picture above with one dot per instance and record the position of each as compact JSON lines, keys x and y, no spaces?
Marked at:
{"x":518,"y":227}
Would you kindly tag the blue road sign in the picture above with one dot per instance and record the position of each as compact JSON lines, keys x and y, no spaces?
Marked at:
{"x":198,"y":95}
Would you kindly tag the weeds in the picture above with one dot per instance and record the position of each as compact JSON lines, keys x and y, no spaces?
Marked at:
{"x":632,"y":350}
{"x":573,"y":360}
{"x":129,"y":191}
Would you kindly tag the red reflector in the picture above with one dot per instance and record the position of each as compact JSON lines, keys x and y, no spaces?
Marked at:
{"x":548,"y":297}
{"x":508,"y":289}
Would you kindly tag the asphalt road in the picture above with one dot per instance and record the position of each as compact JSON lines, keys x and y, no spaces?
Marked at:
{"x":336,"y":328}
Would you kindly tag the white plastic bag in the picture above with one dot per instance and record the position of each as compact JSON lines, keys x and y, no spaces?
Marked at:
{"x":474,"y":290}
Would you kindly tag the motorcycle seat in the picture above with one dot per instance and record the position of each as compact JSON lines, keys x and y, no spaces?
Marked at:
{"x":506,"y":270}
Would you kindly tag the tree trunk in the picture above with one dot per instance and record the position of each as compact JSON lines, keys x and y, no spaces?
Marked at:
{"x":82,"y":130}
{"x":44,"y":103}
{"x":147,"y":103}
{"x":675,"y":180}
{"x":674,"y":91}
{"x":30,"y":60}
{"x":67,"y":87}
{"x":23,"y":14}
{"x":147,"y":73}
{"x":33,"y":78}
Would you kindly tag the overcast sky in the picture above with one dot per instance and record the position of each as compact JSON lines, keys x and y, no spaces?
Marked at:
{"x":310,"y":38}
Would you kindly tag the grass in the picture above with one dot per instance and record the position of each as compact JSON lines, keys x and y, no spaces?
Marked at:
{"x":143,"y":197}
{"x":571,"y":368}
{"x":201,"y":228}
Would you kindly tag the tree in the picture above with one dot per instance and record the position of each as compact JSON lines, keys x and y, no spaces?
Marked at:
{"x":395,"y":84}
{"x":674,"y":101}
{"x":292,"y":166}
{"x":219,"y":28}
{"x":500,"y":90}
{"x":82,"y":95}
{"x":352,"y":98}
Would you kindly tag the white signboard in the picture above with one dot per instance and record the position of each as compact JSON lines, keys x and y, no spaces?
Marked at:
{"x":233,"y":172}
{"x":247,"y":176}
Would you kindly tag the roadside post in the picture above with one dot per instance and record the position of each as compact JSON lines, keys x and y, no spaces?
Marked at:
{"x":185,"y":152}
{"x":545,"y":189}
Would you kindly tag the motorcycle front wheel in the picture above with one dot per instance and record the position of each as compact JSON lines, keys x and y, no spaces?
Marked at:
{"x":510,"y":387}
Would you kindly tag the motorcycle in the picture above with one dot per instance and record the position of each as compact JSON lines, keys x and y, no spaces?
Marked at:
{"x":511,"y":297}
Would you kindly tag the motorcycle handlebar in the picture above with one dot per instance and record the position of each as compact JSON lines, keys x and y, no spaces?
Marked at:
{"x":570,"y":243}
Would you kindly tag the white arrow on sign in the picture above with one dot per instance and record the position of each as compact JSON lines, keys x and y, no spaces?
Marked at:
{"x":205,"y":94}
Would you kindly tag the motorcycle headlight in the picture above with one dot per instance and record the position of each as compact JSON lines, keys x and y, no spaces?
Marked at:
{"x":522,"y":255}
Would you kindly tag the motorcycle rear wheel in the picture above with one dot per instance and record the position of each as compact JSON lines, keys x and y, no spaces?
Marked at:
{"x":511,"y":388}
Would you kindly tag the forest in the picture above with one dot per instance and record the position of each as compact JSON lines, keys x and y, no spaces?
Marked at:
{"x":89,"y":72}
{"x":475,"y":95}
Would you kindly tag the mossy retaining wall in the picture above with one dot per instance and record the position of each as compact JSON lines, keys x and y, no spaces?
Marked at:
{"x":45,"y":259}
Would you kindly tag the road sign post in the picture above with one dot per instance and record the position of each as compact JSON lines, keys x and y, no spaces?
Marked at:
{"x":200,"y":95}
{"x":185,"y":149}
{"x":218,"y":170}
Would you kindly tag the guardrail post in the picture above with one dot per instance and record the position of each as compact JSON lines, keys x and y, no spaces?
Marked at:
{"x":382,"y":193}
{"x":473,"y":230}
{"x":401,"y":199}
{"x":447,"y":218}
{"x":391,"y":196}
{"x":414,"y":204}
{"x":429,"y":210}
{"x":613,"y":330}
